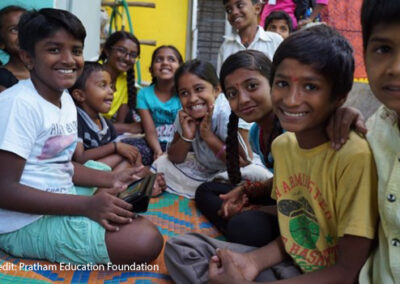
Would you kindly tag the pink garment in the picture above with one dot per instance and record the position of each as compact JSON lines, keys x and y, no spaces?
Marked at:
{"x":284,"y":5}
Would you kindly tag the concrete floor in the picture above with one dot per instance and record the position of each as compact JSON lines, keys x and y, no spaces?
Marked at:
{"x":362,"y":98}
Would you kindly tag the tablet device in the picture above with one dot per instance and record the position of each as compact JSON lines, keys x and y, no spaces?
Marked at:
{"x":139,"y":192}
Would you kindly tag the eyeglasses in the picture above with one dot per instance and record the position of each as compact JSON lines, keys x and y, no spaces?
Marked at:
{"x":123,"y":52}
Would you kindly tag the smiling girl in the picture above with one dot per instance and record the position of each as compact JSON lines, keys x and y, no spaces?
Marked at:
{"x":158,"y":104}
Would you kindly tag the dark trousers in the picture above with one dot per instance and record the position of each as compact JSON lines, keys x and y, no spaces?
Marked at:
{"x":252,"y":228}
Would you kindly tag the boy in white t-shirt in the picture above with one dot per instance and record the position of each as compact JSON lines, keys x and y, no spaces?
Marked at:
{"x":40,"y":214}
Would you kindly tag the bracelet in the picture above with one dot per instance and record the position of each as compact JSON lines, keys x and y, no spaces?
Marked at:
{"x":221,"y":152}
{"x":115,"y":147}
{"x":186,"y":139}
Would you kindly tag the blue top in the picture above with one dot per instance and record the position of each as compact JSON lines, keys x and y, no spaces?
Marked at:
{"x":163,"y":113}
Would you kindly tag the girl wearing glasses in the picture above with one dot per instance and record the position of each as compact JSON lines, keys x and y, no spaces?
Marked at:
{"x":119,"y":56}
{"x":14,"y":70}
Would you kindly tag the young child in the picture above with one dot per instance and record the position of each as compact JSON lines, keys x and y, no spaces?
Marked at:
{"x":279,"y":22}
{"x":41,"y":216}
{"x":119,"y":56}
{"x":325,"y":198}
{"x":201,"y":125}
{"x":381,"y":40}
{"x":14,"y":70}
{"x":93,"y":94}
{"x":243,"y":17}
{"x":158,"y":104}
{"x":289,"y":6}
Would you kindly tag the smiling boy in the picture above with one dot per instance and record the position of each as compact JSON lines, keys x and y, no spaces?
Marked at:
{"x":381,"y":40}
{"x":243,"y":17}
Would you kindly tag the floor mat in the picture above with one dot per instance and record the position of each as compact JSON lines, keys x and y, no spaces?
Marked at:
{"x":174,"y":215}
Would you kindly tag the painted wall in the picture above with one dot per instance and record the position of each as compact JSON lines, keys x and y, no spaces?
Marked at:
{"x":166,"y":24}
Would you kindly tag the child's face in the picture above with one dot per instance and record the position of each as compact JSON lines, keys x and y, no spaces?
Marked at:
{"x":56,"y":64}
{"x":196,"y":95}
{"x":98,"y":93}
{"x":165,"y":64}
{"x":122,"y":55}
{"x":248,"y":93}
{"x":280,"y":27}
{"x":242,"y":13}
{"x":301,"y":98}
{"x":9,"y":32}
{"x":382,"y":61}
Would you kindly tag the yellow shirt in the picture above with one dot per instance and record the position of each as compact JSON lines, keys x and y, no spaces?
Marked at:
{"x":383,"y":266}
{"x":321,"y":196}
{"x":120,"y":95}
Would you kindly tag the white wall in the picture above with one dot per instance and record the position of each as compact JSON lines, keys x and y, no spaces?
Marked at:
{"x":88,"y":11}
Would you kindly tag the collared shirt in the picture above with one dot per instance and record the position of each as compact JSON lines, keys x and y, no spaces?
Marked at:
{"x":266,"y":42}
{"x":383,"y":265}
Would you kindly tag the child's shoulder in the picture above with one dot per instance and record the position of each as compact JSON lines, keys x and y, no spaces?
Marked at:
{"x":22,"y":91}
{"x":270,"y":36}
{"x":355,"y":145}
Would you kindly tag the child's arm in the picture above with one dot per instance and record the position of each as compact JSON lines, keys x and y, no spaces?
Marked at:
{"x":105,"y":208}
{"x":341,"y":123}
{"x":181,"y":144}
{"x":231,"y":267}
{"x":151,"y":132}
{"x":124,"y":150}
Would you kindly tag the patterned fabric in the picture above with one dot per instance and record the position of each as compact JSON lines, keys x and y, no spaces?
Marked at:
{"x":89,"y":133}
{"x":173,"y":216}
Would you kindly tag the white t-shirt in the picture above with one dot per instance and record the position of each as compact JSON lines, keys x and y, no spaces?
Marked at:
{"x":266,"y":42}
{"x":42,"y":134}
{"x":219,"y":125}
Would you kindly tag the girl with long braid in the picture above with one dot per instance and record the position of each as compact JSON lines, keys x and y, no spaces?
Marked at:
{"x":241,"y":210}
{"x":119,"y":55}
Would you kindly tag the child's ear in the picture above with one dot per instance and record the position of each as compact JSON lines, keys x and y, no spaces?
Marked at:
{"x":26,"y":58}
{"x":340,"y":102}
{"x":217,"y":90}
{"x":78,"y":95}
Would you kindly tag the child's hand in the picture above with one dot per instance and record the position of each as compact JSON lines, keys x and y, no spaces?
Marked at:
{"x":188,"y":125}
{"x":127,"y":151}
{"x":232,"y":202}
{"x":205,"y":124}
{"x":339,"y":125}
{"x":157,"y":154}
{"x":231,"y":267}
{"x":159,"y":185}
{"x":122,"y":178}
{"x":108,"y":210}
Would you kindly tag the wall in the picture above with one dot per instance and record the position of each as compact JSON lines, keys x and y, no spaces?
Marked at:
{"x":167,"y":24}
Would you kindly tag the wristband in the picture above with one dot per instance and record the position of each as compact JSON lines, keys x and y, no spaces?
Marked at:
{"x":221,"y":152}
{"x":115,"y":147}
{"x":186,"y":139}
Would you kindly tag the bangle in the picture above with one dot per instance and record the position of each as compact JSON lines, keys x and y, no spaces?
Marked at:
{"x":186,"y":139}
{"x":221,"y":151}
{"x":115,"y":147}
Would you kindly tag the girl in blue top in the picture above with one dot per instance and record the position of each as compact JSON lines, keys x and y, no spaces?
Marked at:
{"x":158,"y":104}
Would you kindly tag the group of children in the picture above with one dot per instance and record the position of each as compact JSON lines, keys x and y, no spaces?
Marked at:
{"x":320,"y":208}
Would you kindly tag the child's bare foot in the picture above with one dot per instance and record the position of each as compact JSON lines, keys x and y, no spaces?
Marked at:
{"x":159,"y":185}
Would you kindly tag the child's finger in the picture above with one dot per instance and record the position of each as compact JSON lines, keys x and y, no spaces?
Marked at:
{"x":108,"y":226}
{"x":116,"y":219}
{"x":124,"y":205}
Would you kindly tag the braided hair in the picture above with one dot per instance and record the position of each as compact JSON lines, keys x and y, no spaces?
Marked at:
{"x":250,"y":60}
{"x":130,"y":74}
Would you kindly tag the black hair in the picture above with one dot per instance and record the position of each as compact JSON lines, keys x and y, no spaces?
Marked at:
{"x":130,"y":74}
{"x":251,"y":60}
{"x":201,"y":69}
{"x":328,"y":52}
{"x":88,"y":69}
{"x":279,"y":15}
{"x":252,"y":1}
{"x":37,"y":25}
{"x":153,"y":57}
{"x":375,"y":12}
{"x":7,"y":10}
